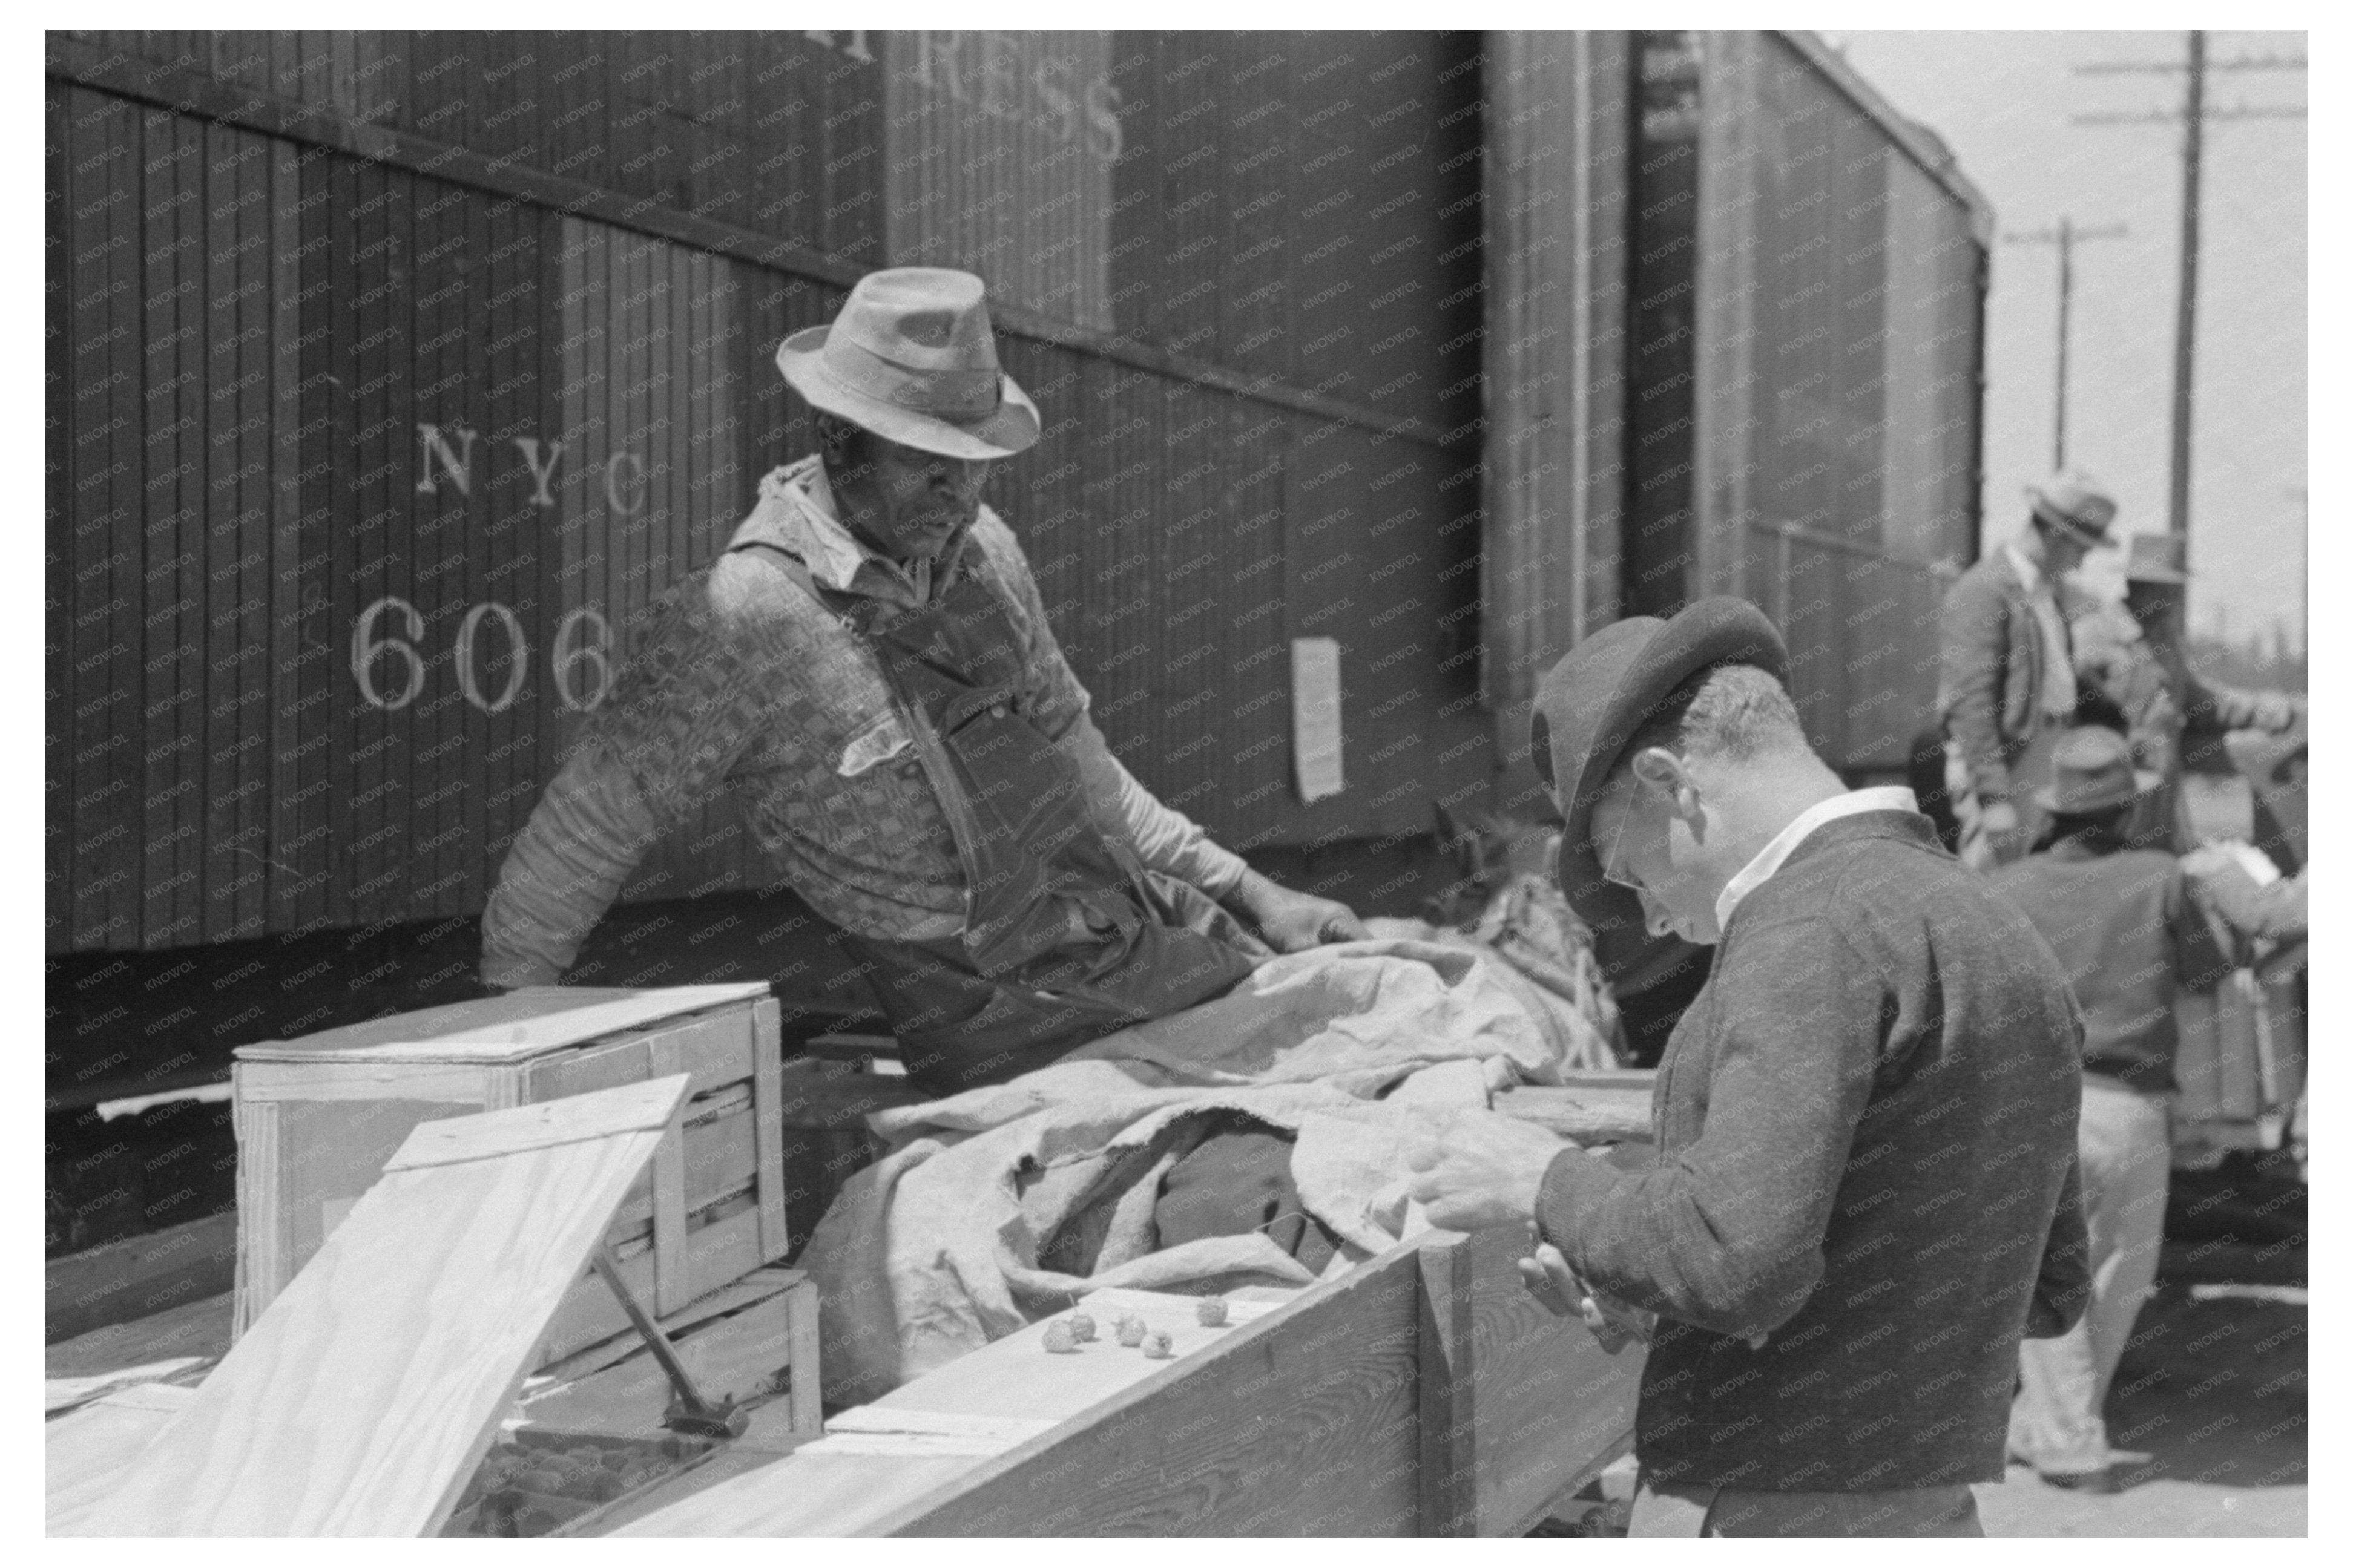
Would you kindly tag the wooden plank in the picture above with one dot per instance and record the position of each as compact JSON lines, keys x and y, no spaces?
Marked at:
{"x":807,"y":1395}
{"x":368,"y":1391}
{"x":380,"y":439}
{"x":397,"y":873}
{"x":222,"y":583}
{"x":670,"y":1292}
{"x":162,"y":202}
{"x":716,"y":1255}
{"x":57,"y":287}
{"x":584,"y":1118}
{"x":310,"y":851}
{"x":130,"y":1279}
{"x":716,"y":1159}
{"x":483,"y":539}
{"x":87,"y":1452}
{"x":1449,"y":1472}
{"x":511,"y":411}
{"x":287,"y":658}
{"x":345,"y":709}
{"x":89,"y":124}
{"x":255,"y":490}
{"x":122,"y":858}
{"x":1549,"y":1407}
{"x":768,"y":1125}
{"x":511,"y":1027}
{"x":1301,"y":1422}
{"x":200,"y":1328}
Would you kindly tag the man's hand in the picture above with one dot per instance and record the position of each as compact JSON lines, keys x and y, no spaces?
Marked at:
{"x":1476,"y":1168}
{"x":1292,"y":921}
{"x":1552,"y":1281}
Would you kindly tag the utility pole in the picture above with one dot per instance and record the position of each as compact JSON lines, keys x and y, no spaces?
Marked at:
{"x":2067,"y":237}
{"x":2194,"y":116}
{"x":2185,"y":309}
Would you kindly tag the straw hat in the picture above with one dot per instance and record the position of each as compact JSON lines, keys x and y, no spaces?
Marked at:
{"x":911,"y":357}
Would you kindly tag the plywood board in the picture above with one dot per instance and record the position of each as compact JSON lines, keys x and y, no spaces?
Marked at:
{"x":86,"y":1451}
{"x":363,"y":1398}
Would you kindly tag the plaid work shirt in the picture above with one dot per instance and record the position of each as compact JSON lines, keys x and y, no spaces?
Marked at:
{"x":743,"y":682}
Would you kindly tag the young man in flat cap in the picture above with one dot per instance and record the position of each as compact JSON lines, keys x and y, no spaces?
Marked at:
{"x":868,"y":666}
{"x":1864,"y":1189}
{"x":2006,"y":681}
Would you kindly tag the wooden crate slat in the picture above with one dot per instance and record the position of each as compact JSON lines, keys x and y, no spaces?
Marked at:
{"x":362,"y":1401}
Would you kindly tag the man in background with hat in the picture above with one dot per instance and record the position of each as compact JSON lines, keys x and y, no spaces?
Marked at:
{"x":868,"y":665}
{"x":1864,"y":1190}
{"x":2134,"y":662}
{"x":2130,"y":927}
{"x":2006,"y":680}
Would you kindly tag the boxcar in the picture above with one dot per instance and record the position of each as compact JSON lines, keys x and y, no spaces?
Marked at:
{"x":392,"y":375}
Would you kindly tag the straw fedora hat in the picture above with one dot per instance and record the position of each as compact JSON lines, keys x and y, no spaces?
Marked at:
{"x":2077,"y":503}
{"x":911,"y":357}
{"x":1588,"y":706}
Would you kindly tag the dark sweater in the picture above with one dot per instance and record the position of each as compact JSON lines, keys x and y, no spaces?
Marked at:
{"x":2126,"y":931}
{"x":1866,"y":1136}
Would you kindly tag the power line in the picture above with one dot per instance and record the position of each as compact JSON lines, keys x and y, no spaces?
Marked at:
{"x":2242,"y":63}
{"x":2067,"y":237}
{"x":2192,"y":117}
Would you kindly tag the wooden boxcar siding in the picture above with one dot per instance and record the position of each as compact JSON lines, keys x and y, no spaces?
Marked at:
{"x":1306,"y":207}
{"x":309,"y":407}
{"x":1837,"y":398}
{"x":1556,"y":355}
{"x":1000,"y":161}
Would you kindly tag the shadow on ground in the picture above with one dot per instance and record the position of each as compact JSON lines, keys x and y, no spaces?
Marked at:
{"x":2214,"y":1393}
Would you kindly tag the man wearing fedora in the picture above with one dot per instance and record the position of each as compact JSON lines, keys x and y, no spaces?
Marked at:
{"x":2006,"y":678}
{"x":1864,"y":1192}
{"x":868,"y":665}
{"x":2129,"y":927}
{"x":2134,"y":662}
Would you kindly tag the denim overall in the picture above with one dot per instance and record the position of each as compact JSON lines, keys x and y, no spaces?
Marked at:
{"x":1067,"y":935}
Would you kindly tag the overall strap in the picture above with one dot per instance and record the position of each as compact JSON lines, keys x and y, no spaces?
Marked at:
{"x":793,"y":566}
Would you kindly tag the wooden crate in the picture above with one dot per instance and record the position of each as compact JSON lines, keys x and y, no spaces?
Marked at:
{"x":316,"y":1118}
{"x":1424,"y":1393}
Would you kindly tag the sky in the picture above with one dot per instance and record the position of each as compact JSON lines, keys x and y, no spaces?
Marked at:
{"x":2002,"y":101}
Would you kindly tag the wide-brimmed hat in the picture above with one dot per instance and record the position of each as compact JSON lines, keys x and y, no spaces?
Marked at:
{"x":2092,"y":770}
{"x":1588,"y":706}
{"x":2072,"y":499}
{"x":911,"y":357}
{"x":2157,"y":558}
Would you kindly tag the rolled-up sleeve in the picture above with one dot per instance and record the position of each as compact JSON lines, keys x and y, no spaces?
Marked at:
{"x":1726,"y":1233}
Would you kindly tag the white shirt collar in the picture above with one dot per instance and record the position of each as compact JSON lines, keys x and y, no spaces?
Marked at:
{"x":2029,"y":574}
{"x":1886,"y":797}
